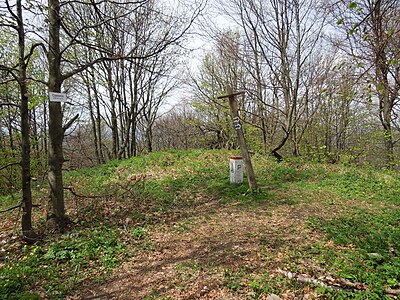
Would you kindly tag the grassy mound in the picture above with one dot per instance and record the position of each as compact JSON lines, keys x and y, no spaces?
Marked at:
{"x":338,"y":225}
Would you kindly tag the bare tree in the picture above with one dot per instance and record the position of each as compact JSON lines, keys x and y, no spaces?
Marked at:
{"x":63,"y":64}
{"x":372,"y":31}
{"x":284,"y":36}
{"x":13,"y":18}
{"x":221,"y":66}
{"x":179,"y":129}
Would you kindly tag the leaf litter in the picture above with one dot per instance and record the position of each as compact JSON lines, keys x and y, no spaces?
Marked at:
{"x":190,"y":259}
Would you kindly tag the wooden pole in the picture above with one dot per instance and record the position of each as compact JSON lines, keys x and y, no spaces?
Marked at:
{"x":240,"y":136}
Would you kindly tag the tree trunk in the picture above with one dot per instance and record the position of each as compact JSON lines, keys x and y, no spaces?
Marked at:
{"x":149,"y":138}
{"x":93,"y":121}
{"x":134,"y":91}
{"x":26,"y":221}
{"x":388,"y":138}
{"x":32,"y":118}
{"x":114,"y":119}
{"x":97,"y":118}
{"x":45,"y":134}
{"x":260,"y":103}
{"x":56,"y":208}
{"x":253,"y":186}
{"x":382,"y":82}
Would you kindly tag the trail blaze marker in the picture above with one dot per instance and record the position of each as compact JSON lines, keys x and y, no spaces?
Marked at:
{"x":242,"y":142}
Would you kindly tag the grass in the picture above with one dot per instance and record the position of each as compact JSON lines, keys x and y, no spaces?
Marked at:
{"x":55,"y":267}
{"x":375,"y":239}
{"x":341,"y":218}
{"x":9,"y":201}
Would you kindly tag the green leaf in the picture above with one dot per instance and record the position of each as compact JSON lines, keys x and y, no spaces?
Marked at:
{"x":392,"y":282}
{"x":355,"y":27}
{"x":340,"y":21}
{"x":352,"y":5}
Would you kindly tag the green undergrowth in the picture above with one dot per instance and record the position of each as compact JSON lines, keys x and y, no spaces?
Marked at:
{"x":365,"y":230}
{"x":165,"y":182}
{"x":120,"y":202}
{"x":365,"y":185}
{"x":9,"y":201}
{"x":371,"y":241}
{"x":53,"y":269}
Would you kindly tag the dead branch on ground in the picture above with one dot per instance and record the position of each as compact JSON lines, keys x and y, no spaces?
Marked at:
{"x":11,"y":208}
{"x":68,"y":188}
{"x":328,"y":280}
{"x":17,"y":206}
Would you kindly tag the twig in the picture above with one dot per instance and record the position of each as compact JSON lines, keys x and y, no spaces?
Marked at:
{"x":11,"y":208}
{"x":132,"y":179}
{"x":302,"y":279}
{"x":17,"y":206}
{"x":331,"y":282}
{"x":392,"y":291}
{"x":70,"y":122}
{"x":9,"y":104}
{"x":68,"y":188}
{"x":329,"y":277}
{"x":10,"y":165}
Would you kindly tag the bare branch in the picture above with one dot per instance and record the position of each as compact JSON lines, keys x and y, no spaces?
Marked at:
{"x":28,"y":56}
{"x":70,"y":122}
{"x":17,"y":206}
{"x":68,"y":188}
{"x":10,"y":70}
{"x":9,"y":8}
{"x":10,"y":165}
{"x":63,"y":3}
{"x":302,"y":279}
{"x":159,"y":48}
{"x":329,"y":280}
{"x":390,"y":291}
{"x":8,"y":25}
{"x":11,"y":208}
{"x":37,"y":80}
{"x":9,"y":104}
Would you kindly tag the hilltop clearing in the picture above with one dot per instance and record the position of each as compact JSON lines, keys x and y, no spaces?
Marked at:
{"x":171,"y":226}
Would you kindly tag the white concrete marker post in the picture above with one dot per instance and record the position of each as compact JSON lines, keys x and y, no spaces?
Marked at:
{"x":236,"y":169}
{"x":242,"y":142}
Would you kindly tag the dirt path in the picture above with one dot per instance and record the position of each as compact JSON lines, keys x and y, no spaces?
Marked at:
{"x":192,"y":259}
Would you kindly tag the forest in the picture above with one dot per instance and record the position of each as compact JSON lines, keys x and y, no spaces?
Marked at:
{"x":319,"y":83}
